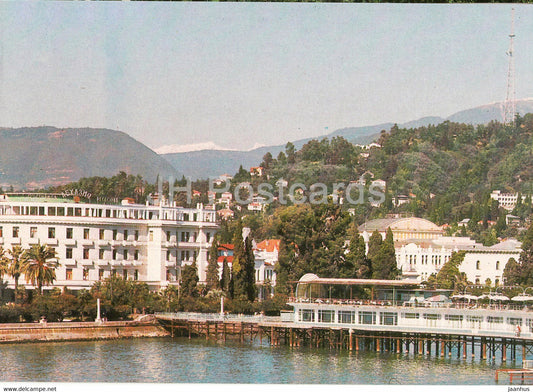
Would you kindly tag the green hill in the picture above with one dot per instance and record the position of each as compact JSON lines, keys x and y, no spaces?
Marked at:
{"x":47,"y":156}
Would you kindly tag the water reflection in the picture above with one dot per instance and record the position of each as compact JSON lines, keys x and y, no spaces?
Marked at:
{"x":198,"y":361}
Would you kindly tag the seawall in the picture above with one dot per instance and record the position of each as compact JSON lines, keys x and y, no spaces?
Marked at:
{"x":50,"y":332}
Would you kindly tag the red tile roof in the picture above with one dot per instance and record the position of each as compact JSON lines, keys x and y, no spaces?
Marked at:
{"x":269,"y":245}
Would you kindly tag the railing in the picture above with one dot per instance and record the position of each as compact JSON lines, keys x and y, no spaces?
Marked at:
{"x":216,"y":317}
{"x":407,"y":304}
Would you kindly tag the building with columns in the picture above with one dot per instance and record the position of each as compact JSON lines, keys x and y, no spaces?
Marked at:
{"x":422,"y":249}
{"x":148,"y":243}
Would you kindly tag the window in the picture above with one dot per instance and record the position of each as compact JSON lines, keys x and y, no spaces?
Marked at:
{"x":411,"y":315}
{"x":151,"y":235}
{"x":68,"y":253}
{"x":70,"y":211}
{"x":326,"y":316}
{"x":514,"y":321}
{"x":68,"y":274}
{"x":69,"y":233}
{"x":388,"y":318}
{"x":1,"y":231}
{"x":51,"y":232}
{"x":497,"y":265}
{"x":114,"y":254}
{"x":136,"y":235}
{"x":115,"y":234}
{"x":431,"y":316}
{"x":494,"y":320}
{"x":85,"y":234}
{"x":125,"y":235}
{"x":136,"y":275}
{"x":15,"y":231}
{"x":85,"y":273}
{"x":101,"y":254}
{"x":100,"y":274}
{"x":477,"y":264}
{"x":168,"y":236}
{"x":125,"y":274}
{"x":208,"y":236}
{"x":367,"y":317}
{"x":125,"y":254}
{"x":453,"y":317}
{"x":85,"y":253}
{"x":33,"y":232}
{"x":101,"y":234}
{"x":113,"y":273}
{"x":306,"y":315}
{"x":136,"y":255}
{"x":474,"y":319}
{"x":346,"y":317}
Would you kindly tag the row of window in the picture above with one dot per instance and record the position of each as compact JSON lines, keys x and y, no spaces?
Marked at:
{"x":124,"y":235}
{"x":391,"y":318}
{"x":435,"y":259}
{"x":478,"y":265}
{"x":85,"y":274}
{"x":69,"y":233}
{"x":86,"y":254}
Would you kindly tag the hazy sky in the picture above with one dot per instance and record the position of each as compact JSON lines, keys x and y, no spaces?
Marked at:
{"x":240,"y":74}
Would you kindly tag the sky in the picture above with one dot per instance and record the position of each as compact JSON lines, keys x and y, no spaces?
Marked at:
{"x":239,"y":75}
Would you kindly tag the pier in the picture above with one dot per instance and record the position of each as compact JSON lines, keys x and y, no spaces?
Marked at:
{"x":439,"y":343}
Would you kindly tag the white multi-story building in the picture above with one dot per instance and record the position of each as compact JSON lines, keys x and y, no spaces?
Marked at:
{"x":506,"y":200}
{"x":422,"y":250}
{"x":148,"y":243}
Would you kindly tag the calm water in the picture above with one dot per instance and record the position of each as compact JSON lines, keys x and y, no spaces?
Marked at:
{"x":181,"y":360}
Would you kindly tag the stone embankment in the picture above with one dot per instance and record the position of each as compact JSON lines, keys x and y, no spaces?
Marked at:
{"x":48,"y":332}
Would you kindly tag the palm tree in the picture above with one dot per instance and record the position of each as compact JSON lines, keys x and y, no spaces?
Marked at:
{"x":41,"y":266}
{"x":4,"y":265}
{"x":18,"y":262}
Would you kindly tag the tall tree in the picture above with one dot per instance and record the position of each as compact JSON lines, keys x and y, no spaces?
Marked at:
{"x":212,"y":279}
{"x":41,"y":266}
{"x":361,"y":266}
{"x":18,"y":262}
{"x":449,"y":277}
{"x":226,"y":277}
{"x":189,"y":281}
{"x":249,"y":270}
{"x":238,"y":267}
{"x":384,"y":263}
{"x":526,"y":259}
{"x":374,"y":245}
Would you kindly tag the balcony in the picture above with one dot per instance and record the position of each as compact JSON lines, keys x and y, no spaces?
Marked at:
{"x":170,"y":264}
{"x":70,"y":242}
{"x":102,"y":243}
{"x":68,"y":262}
{"x":87,"y":242}
{"x":51,"y":241}
{"x":14,"y":241}
{"x":33,"y":241}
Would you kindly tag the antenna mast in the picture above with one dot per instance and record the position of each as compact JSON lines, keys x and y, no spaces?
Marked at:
{"x":509,"y":109}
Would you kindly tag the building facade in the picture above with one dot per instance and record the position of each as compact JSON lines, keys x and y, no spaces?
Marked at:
{"x":422,"y":250}
{"x":147,"y":243}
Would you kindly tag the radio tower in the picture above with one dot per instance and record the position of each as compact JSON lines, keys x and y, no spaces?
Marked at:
{"x":509,"y":108}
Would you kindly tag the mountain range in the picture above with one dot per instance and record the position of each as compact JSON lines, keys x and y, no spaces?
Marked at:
{"x":212,"y":163}
{"x":45,"y":156}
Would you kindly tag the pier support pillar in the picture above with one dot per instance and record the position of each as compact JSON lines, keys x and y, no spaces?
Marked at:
{"x":504,"y":351}
{"x":356,"y":343}
{"x":378,"y":347}
{"x":464,"y":348}
{"x":442,"y":349}
{"x":483,"y":349}
{"x":398,"y":346}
